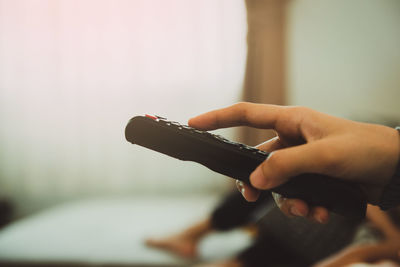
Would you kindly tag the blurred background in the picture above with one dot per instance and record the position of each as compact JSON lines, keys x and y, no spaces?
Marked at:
{"x":72,"y":73}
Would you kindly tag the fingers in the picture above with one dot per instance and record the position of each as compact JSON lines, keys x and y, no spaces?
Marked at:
{"x":319,"y":214}
{"x":285,"y":163}
{"x":291,"y":207}
{"x":294,"y":207}
{"x":248,"y":192}
{"x":255,"y":115}
{"x":297,"y":207}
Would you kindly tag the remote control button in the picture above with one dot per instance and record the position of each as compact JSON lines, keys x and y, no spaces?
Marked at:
{"x":151,"y":117}
{"x":161,"y":118}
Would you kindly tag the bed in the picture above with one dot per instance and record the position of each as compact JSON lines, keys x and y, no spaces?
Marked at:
{"x":110,"y":232}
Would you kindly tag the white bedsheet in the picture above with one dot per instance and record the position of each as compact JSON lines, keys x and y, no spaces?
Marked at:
{"x":112,"y":231}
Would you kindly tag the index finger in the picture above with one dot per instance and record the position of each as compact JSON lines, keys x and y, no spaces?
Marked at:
{"x":241,"y":114}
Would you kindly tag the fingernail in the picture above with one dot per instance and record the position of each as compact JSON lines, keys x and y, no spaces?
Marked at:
{"x":240,"y":186}
{"x":294,"y":211}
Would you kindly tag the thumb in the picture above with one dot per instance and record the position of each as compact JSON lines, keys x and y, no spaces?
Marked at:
{"x":285,"y":163}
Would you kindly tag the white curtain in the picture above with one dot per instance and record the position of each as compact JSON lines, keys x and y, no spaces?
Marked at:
{"x":72,"y":73}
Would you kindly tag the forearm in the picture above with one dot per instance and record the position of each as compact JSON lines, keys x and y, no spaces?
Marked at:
{"x":363,"y":253}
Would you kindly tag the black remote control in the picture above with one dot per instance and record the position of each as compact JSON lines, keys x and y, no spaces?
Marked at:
{"x":238,"y":161}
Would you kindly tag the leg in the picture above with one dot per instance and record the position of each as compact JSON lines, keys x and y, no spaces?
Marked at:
{"x":232,"y":212}
{"x":268,"y":251}
{"x":183,"y":244}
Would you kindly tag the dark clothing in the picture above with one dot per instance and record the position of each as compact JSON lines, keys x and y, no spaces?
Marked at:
{"x":235,"y":211}
{"x":282,"y":241}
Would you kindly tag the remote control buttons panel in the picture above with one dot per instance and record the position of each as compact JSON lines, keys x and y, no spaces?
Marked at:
{"x":206,"y":134}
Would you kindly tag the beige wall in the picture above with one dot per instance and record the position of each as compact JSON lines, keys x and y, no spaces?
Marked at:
{"x":72,"y":73}
{"x":343,"y":57}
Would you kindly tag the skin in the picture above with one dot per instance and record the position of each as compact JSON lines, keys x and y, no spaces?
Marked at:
{"x":311,"y":142}
{"x":183,"y":244}
{"x":377,"y":254}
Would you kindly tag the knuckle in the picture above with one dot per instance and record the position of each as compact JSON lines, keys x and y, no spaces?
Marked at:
{"x":299,"y":111}
{"x":240,"y":106}
{"x":296,"y":109}
{"x":302,"y":110}
{"x":241,"y":109}
{"x":294,"y":115}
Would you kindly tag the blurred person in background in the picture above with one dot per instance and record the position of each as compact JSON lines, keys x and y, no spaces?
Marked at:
{"x":377,"y":242}
{"x":278,"y":240}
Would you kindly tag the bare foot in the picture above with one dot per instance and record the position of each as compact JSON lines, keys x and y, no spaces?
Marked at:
{"x":183,"y":244}
{"x":180,"y":244}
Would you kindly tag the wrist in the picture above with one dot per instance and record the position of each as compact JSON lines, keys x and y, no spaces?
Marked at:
{"x":390,"y":196}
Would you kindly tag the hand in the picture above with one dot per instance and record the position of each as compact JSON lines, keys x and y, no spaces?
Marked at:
{"x":311,"y":142}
